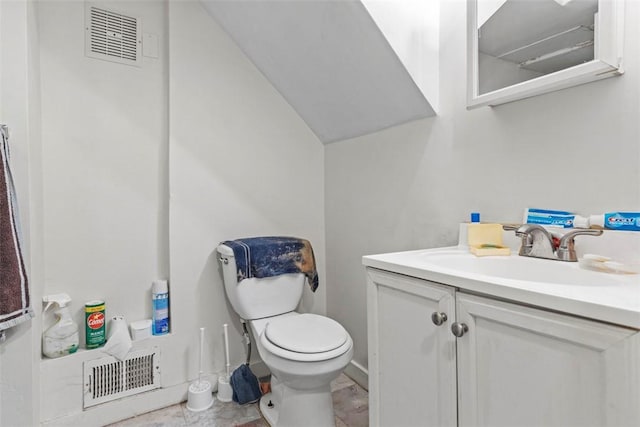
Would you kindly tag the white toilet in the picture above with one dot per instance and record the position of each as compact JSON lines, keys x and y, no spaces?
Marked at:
{"x":304,"y":352}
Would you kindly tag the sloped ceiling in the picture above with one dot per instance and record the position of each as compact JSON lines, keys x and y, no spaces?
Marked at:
{"x":329,"y":60}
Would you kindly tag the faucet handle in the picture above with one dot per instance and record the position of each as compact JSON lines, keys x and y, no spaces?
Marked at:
{"x":566,"y":249}
{"x":511,"y":227}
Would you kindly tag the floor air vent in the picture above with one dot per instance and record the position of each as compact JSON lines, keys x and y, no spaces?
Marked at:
{"x":112,"y":36}
{"x":108,"y":378}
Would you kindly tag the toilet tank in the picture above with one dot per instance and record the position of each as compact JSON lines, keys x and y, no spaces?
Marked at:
{"x":255,"y":298}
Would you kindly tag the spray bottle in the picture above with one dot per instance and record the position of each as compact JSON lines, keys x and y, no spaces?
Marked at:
{"x":160,"y":300}
{"x":61,"y":338}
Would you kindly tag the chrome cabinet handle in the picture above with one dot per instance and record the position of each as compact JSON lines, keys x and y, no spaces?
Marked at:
{"x":459,"y":329}
{"x":438,"y":318}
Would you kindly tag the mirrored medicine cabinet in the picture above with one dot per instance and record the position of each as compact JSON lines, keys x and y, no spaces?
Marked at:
{"x":521,"y":48}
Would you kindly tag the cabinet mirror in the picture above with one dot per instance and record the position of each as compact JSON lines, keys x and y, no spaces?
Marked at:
{"x":522,"y":48}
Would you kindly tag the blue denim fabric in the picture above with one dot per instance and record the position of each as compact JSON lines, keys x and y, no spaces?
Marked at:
{"x":272,"y":256}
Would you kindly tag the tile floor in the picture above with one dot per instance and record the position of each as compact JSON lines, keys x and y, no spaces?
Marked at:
{"x":350,"y":403}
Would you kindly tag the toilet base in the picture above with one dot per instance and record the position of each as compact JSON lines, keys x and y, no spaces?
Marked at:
{"x":268,"y":409}
{"x":285,"y":407}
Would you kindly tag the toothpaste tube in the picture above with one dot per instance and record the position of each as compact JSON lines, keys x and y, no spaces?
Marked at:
{"x":553,"y":218}
{"x":627,"y":221}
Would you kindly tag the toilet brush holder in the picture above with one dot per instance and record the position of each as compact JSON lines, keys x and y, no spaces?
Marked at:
{"x":200,"y":396}
{"x":225,"y":392}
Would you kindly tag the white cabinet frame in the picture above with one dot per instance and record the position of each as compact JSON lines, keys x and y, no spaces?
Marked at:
{"x":607,"y":63}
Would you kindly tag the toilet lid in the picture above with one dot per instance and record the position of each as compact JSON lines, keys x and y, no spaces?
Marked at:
{"x":306,"y":333}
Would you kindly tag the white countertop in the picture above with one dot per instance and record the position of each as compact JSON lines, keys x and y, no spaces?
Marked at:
{"x":612,"y":298}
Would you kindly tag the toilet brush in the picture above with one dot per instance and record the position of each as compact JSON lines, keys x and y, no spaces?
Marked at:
{"x":225,"y":392}
{"x":200,"y":395}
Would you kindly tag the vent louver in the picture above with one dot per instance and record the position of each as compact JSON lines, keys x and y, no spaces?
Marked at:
{"x":108,"y":378}
{"x":112,"y":36}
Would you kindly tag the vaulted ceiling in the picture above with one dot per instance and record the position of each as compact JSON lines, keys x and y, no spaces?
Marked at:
{"x":329,"y":60}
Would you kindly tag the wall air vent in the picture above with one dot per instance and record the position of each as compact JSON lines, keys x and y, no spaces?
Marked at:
{"x":112,"y":36}
{"x":108,"y":378}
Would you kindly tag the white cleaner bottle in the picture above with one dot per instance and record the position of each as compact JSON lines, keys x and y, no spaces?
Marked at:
{"x":61,"y":338}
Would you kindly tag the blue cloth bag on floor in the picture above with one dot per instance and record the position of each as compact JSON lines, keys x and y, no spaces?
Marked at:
{"x":245,"y":385}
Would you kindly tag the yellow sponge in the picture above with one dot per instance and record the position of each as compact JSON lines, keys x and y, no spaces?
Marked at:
{"x":486,"y":239}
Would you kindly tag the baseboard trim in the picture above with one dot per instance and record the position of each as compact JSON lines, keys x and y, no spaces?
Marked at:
{"x":358,"y":373}
{"x":121,"y":409}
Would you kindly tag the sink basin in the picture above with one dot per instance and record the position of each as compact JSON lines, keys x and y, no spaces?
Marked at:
{"x":516,"y":267}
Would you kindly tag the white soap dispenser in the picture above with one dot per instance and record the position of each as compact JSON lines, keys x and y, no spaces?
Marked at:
{"x":61,"y":338}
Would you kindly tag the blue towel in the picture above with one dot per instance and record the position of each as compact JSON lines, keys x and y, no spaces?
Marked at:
{"x":272,"y":256}
{"x":245,"y":385}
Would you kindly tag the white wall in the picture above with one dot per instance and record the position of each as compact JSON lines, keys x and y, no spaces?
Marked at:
{"x":105,"y":183}
{"x":408,"y":187}
{"x":105,"y":136}
{"x":243,"y":163}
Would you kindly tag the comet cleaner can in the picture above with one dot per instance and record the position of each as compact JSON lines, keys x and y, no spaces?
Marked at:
{"x":95,"y":323}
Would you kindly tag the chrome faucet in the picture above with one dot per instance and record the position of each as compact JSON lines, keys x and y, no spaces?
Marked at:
{"x":537,"y":242}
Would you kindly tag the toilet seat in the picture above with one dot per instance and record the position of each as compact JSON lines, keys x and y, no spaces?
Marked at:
{"x":306,"y":333}
{"x":305,"y":337}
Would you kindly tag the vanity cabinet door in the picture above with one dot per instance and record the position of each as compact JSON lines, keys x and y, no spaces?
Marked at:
{"x":520,"y":366}
{"x":411,"y":360}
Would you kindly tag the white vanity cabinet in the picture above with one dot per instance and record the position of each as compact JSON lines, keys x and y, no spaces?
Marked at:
{"x":412,"y":362}
{"x":513,"y":365}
